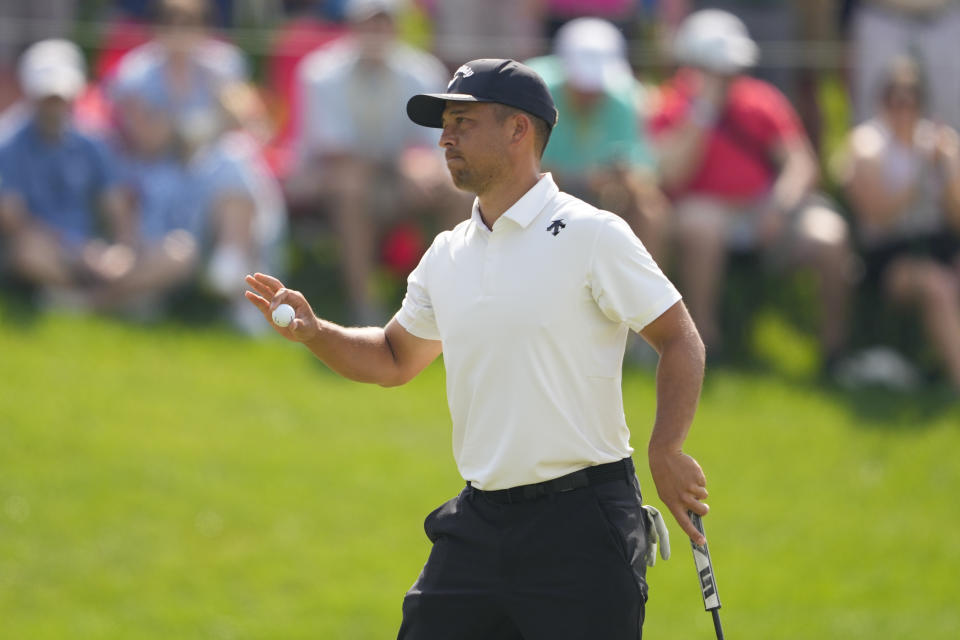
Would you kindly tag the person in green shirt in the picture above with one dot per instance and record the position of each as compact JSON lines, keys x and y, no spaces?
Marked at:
{"x":601,"y":152}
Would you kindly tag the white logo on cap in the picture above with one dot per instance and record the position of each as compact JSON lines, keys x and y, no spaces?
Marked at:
{"x":464,"y":72}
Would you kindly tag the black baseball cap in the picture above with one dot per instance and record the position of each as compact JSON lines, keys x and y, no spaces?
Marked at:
{"x":487,"y":80}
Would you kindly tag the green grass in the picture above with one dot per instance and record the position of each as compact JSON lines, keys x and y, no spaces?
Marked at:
{"x":186,"y":483}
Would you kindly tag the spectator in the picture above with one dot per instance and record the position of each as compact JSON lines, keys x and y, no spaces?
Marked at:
{"x":926,"y":29}
{"x":359,"y":154}
{"x":182,"y":68}
{"x":303,"y":30}
{"x":235,"y":205}
{"x":156,"y":181}
{"x":54,"y":181}
{"x":904,"y":185}
{"x":601,"y":153}
{"x":735,"y":159}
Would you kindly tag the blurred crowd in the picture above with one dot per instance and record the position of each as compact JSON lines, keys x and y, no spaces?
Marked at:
{"x":152,"y":147}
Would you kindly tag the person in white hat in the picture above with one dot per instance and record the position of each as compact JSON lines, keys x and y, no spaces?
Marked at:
{"x":56,"y":182}
{"x":602,"y":152}
{"x":739,"y":167}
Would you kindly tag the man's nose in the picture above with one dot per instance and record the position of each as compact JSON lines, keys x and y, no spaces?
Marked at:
{"x":446,"y":138}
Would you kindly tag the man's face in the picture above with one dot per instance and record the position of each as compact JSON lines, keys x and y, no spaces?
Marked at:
{"x":475,"y":142}
{"x":375,"y":36}
{"x":182,"y":25}
{"x":148,"y":130}
{"x":583,"y":100}
{"x":52,"y":114}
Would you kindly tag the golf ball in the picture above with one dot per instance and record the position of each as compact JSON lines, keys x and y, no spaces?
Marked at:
{"x":283,"y":315}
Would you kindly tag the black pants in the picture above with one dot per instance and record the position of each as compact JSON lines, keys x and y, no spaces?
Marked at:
{"x":564,"y":566}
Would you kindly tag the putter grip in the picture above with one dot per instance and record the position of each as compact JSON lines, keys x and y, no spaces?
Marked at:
{"x":701,"y":558}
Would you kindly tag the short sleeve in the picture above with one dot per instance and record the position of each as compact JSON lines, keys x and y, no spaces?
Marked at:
{"x":416,"y":313}
{"x":626,"y":283}
{"x":764,"y":113}
{"x":229,"y":177}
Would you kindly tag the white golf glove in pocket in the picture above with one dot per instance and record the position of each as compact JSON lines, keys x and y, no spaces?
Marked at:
{"x":658,"y":534}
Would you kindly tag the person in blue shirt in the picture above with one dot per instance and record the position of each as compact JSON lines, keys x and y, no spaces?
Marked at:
{"x":158,"y":185}
{"x":63,"y":217}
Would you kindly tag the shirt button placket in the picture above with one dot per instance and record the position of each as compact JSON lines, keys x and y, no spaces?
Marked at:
{"x":491,"y":260}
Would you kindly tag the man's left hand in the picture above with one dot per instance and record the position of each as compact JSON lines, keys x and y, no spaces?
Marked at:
{"x":681,"y":486}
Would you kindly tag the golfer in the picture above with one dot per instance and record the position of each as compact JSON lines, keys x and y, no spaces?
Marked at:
{"x":530,"y":302}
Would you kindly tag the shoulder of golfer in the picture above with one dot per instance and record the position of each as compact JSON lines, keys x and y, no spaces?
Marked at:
{"x":680,"y":481}
{"x":387,"y":356}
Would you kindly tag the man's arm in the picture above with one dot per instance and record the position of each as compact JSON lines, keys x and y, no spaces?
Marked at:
{"x":387,"y":356}
{"x":947,"y":154}
{"x":680,"y":150}
{"x":680,"y":481}
{"x":121,"y":218}
{"x":798,"y":174}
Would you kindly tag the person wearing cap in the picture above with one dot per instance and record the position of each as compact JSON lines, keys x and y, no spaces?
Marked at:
{"x":58,"y":186}
{"x":739,"y":168}
{"x":530,"y":302}
{"x":601,"y":154}
{"x":359,"y":159}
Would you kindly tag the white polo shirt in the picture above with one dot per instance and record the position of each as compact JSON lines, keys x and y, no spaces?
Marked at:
{"x":533,"y":316}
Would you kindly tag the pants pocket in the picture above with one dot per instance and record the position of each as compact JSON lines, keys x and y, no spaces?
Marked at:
{"x":438,"y":520}
{"x":620,"y":505}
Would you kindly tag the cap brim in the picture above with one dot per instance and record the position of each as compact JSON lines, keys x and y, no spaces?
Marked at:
{"x":426,"y":109}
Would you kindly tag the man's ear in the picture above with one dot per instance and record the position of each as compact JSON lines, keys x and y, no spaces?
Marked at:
{"x":521,"y":127}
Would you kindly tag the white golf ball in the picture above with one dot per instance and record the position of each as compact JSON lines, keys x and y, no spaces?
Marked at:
{"x":283,"y":315}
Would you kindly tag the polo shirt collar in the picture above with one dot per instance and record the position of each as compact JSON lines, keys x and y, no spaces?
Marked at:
{"x":525,"y":210}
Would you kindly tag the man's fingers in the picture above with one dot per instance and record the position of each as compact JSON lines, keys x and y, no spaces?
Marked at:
{"x":699,"y":508}
{"x":269,"y":281}
{"x":683,"y":519}
{"x":258,"y":301}
{"x":261,"y":288}
{"x":288,"y":296}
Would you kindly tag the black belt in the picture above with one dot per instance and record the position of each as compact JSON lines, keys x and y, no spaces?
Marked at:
{"x":619,"y":470}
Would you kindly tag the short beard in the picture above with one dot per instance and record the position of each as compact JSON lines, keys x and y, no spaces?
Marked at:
{"x":469,"y":181}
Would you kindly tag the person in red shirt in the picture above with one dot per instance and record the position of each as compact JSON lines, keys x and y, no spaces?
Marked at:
{"x":742,"y":175}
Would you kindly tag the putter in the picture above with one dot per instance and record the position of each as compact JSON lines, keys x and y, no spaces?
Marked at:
{"x":708,"y":580}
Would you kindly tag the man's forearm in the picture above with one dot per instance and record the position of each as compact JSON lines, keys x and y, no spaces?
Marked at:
{"x":679,"y":380}
{"x":798,"y":177}
{"x":679,"y":154}
{"x":359,"y":354}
